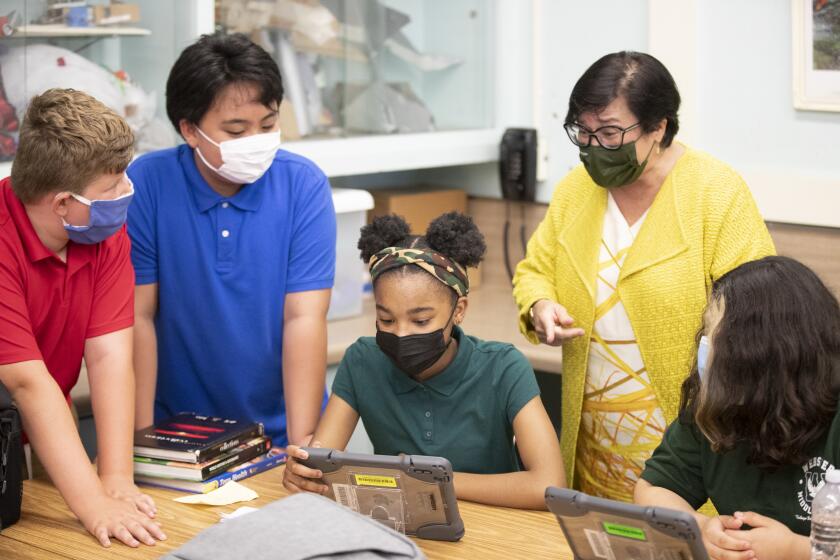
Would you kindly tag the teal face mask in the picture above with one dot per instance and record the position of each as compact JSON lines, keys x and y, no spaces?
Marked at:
{"x":613,"y":168}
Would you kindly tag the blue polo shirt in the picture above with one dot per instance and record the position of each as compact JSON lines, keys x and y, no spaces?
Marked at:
{"x":223,"y":267}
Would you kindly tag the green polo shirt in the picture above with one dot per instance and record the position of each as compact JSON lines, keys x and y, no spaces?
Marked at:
{"x":465,"y":413}
{"x":685,"y":464}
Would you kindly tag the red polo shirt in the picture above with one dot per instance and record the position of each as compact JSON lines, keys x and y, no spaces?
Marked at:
{"x":48,"y":308}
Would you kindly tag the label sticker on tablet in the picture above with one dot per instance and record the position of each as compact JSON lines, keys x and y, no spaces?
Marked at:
{"x":345,"y":496}
{"x":600,"y":544}
{"x":626,"y":531}
{"x":375,"y":480}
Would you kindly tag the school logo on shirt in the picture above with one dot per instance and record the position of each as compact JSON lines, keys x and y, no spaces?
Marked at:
{"x":813,"y":477}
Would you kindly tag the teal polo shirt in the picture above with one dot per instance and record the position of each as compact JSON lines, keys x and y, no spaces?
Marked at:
{"x":465,"y":413}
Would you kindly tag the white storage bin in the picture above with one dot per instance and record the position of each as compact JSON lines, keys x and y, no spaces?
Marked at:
{"x":351,"y":206}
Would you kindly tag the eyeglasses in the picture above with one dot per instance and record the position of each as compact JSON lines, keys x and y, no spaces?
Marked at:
{"x":608,"y":137}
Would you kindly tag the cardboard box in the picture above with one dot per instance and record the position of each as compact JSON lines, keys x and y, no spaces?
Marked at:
{"x":419,"y":206}
{"x":116,"y":14}
{"x":288,"y":122}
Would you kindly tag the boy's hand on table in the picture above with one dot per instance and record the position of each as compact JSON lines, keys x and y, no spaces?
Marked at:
{"x":123,"y":488}
{"x":105,"y":517}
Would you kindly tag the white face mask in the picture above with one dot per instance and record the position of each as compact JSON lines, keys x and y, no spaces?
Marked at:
{"x":244,"y":160}
{"x":703,"y":356}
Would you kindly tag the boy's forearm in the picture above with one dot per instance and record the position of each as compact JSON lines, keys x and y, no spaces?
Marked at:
{"x":145,"y":371}
{"x":114,"y":419}
{"x":111,"y":377}
{"x":304,"y":370}
{"x":53,"y":435}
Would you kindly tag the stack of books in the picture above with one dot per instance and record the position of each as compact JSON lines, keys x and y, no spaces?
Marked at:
{"x":197,"y":453}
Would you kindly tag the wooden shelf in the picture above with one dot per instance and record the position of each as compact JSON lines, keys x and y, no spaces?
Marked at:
{"x":64,"y":31}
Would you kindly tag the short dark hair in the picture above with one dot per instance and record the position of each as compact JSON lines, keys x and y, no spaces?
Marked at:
{"x":453,"y":235}
{"x":772,"y":383}
{"x":642,"y":80}
{"x":211,"y":64}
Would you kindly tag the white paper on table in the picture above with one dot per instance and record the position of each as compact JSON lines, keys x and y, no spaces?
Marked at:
{"x":230,"y":493}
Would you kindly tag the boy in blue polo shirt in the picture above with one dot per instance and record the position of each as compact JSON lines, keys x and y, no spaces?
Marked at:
{"x":233,"y":245}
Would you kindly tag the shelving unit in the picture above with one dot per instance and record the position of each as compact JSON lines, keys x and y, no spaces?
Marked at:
{"x":462,"y":110}
{"x":362,"y":155}
{"x":64,"y":31}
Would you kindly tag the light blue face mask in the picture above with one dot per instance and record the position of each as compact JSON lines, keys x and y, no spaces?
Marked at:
{"x":106,"y":218}
{"x":702,"y":356}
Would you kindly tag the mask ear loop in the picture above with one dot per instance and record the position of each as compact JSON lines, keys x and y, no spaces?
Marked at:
{"x":647,"y":157}
{"x":80,"y":199}
{"x":207,"y":137}
{"x":200,"y":155}
{"x":207,"y":163}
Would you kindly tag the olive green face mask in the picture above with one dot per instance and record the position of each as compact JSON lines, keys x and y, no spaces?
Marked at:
{"x":613,"y":168}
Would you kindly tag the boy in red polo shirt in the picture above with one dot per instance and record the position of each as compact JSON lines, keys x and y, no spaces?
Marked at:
{"x":66,"y":293}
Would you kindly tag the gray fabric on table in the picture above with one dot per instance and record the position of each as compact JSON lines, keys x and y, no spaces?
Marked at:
{"x":303,"y":526}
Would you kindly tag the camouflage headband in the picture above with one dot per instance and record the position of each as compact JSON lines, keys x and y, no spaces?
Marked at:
{"x":442,"y":268}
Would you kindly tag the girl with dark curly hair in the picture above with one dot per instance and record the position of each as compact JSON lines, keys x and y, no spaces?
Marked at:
{"x":424,"y":387}
{"x":758,"y":427}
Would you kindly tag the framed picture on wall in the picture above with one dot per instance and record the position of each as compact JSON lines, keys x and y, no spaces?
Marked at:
{"x":816,"y":54}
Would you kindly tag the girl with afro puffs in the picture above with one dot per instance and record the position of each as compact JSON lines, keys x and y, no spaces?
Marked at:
{"x":424,"y":387}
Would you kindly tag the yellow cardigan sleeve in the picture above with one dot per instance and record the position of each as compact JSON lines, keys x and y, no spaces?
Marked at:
{"x":534,"y":277}
{"x":740,"y":235}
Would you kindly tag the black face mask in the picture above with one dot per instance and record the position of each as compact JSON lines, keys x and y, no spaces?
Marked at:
{"x":415,"y":353}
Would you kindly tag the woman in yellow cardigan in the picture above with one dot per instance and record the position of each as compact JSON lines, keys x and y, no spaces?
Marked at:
{"x":619,"y":270}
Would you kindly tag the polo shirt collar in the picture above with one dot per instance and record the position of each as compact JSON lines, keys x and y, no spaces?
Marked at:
{"x":78,"y":255}
{"x":446,"y":381}
{"x":248,"y":198}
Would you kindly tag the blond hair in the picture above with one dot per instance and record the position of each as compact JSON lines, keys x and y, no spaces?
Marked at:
{"x":67,"y":140}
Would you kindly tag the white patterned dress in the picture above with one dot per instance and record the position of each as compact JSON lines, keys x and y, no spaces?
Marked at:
{"x":621,"y":421}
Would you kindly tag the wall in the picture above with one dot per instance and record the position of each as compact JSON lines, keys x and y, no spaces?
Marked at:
{"x":576,"y":34}
{"x":746,"y":95}
{"x":733,"y":63}
{"x":513,"y":77}
{"x":149,"y":60}
{"x":568,"y":38}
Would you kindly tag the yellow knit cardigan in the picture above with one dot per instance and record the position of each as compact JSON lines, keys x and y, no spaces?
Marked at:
{"x":702,"y":223}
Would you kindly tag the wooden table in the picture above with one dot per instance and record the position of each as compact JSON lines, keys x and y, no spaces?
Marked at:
{"x":47,"y":529}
